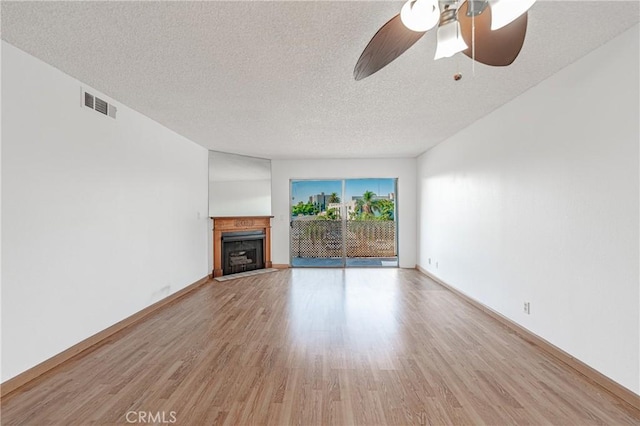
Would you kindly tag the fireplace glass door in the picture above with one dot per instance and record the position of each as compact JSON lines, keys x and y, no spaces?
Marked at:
{"x":242,"y":251}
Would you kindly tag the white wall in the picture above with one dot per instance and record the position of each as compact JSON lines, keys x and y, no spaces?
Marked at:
{"x":539,"y":202}
{"x":100,"y":217}
{"x":282,"y":171}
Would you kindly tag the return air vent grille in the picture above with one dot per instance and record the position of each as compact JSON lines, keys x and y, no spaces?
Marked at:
{"x":88,"y":100}
{"x":99,"y":105}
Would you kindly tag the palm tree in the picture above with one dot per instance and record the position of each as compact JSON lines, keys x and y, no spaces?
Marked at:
{"x":386,"y":209}
{"x":333,"y":198}
{"x":368,"y":204}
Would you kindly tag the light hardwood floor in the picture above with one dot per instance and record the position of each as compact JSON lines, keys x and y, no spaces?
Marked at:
{"x":304,"y":347}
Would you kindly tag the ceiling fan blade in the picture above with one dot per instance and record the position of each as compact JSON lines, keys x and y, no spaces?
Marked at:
{"x":498,"y":48}
{"x":391,"y":41}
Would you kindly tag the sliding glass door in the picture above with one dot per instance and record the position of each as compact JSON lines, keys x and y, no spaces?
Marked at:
{"x":317,"y":231}
{"x":370,"y":232}
{"x":347,"y":222}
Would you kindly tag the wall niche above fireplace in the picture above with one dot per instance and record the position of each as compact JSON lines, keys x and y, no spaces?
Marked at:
{"x":241,"y":243}
{"x":239,"y":185}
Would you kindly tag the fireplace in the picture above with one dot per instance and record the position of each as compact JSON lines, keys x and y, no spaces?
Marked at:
{"x":242,"y":251}
{"x":241,"y":244}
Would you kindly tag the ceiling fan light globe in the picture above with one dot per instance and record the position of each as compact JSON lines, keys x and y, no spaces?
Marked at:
{"x":450,"y":40}
{"x":420,"y":15}
{"x":503,"y":12}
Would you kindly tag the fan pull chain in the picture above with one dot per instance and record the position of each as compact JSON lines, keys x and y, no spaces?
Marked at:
{"x":473,"y":45}
{"x":458,"y":75}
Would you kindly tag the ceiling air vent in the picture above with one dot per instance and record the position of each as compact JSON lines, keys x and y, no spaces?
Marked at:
{"x":99,"y":105}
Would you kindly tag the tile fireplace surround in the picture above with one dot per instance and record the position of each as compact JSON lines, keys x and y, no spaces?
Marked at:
{"x":239,"y":224}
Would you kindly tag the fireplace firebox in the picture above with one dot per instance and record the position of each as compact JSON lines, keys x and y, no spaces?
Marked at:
{"x":242,"y":251}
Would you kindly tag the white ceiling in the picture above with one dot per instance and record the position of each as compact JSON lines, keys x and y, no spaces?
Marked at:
{"x":274,"y":79}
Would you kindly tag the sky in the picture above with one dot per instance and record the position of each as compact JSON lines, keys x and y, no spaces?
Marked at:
{"x":301,"y":190}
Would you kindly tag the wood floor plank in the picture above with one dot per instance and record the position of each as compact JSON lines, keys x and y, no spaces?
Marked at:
{"x":317,"y":347}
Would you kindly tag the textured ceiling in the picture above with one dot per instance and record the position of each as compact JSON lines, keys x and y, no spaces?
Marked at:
{"x":274,"y":79}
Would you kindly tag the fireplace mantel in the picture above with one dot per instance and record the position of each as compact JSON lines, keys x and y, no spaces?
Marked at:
{"x":239,"y":223}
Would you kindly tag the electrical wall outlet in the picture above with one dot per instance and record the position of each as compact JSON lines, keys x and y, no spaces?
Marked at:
{"x":429,"y":261}
{"x":527,"y":308}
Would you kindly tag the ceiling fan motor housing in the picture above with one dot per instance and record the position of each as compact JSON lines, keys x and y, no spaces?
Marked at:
{"x":476,"y":7}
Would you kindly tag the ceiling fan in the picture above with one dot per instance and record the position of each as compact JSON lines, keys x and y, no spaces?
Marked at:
{"x":491,"y":32}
